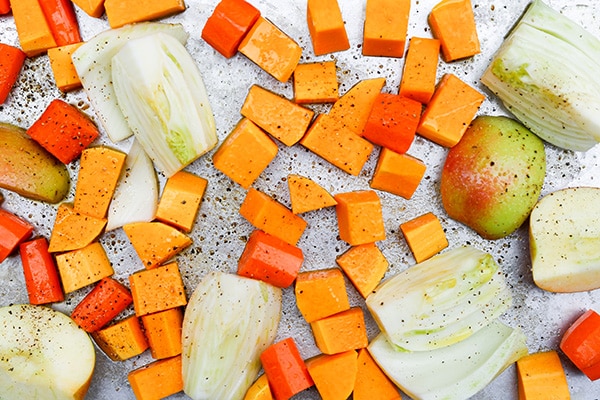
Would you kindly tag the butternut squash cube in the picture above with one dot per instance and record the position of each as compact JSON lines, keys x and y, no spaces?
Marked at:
{"x":35,"y":36}
{"x":93,"y":8}
{"x":360,"y":217}
{"x":321,"y":293}
{"x":326,"y":27}
{"x":371,"y":382}
{"x":155,"y":242}
{"x":399,"y":174}
{"x":157,"y":380}
{"x":540,"y":372}
{"x":82,"y":267}
{"x":157,"y":289}
{"x":420,"y":69}
{"x":65,"y":75}
{"x":386,"y":25}
{"x":453,"y":23}
{"x":122,"y":340}
{"x":123,"y":12}
{"x":341,"y":332}
{"x":73,"y":230}
{"x":163,"y":330}
{"x":425,"y":236}
{"x":307,"y":195}
{"x":181,"y":199}
{"x":365,"y":266}
{"x":341,"y":368}
{"x":316,"y":83}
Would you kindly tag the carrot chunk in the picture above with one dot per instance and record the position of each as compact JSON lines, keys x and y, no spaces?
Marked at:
{"x":155,"y":242}
{"x":453,"y":23}
{"x":123,"y":12}
{"x":122,"y":340}
{"x":393,"y":122}
{"x":11,"y":62}
{"x":360,"y":217}
{"x":581,"y":343}
{"x":157,"y":380}
{"x":13,"y":231}
{"x":4,"y":7}
{"x":321,"y":293}
{"x":334,"y":375}
{"x":65,"y":74}
{"x":420,"y":69}
{"x":228,"y":25}
{"x":163,"y":331}
{"x":341,"y":332}
{"x":82,"y":267}
{"x":399,"y":174}
{"x":384,"y":32}
{"x":285,"y":369}
{"x":40,"y":271}
{"x":541,"y":376}
{"x":371,"y":382}
{"x":61,"y":18}
{"x":316,"y":83}
{"x":270,"y":259}
{"x":425,"y":236}
{"x":365,"y":265}
{"x":326,"y":27}
{"x":307,"y":195}
{"x":157,"y":289}
{"x":106,"y":300}
{"x":181,"y":199}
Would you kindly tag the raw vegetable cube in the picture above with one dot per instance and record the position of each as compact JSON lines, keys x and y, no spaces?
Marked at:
{"x":40,"y":271}
{"x":245,"y":153}
{"x":181,"y":199}
{"x":123,"y":12}
{"x":65,"y":75}
{"x":425,"y":236}
{"x":341,"y":332}
{"x":360,"y":217}
{"x":365,"y":265}
{"x":386,"y":25}
{"x":334,"y":375}
{"x":155,"y":242}
{"x":321,"y":293}
{"x":73,"y":230}
{"x":420,"y":69}
{"x":82,"y":267}
{"x":163,"y":331}
{"x":326,"y":27}
{"x":94,"y":8}
{"x":399,"y":174}
{"x":541,"y":376}
{"x":13,"y":231}
{"x":371,"y":382}
{"x":157,"y":289}
{"x":11,"y":62}
{"x":35,"y":36}
{"x":260,"y":389}
{"x":157,"y":380}
{"x":307,"y":195}
{"x":316,"y":83}
{"x":122,"y":340}
{"x":453,"y":23}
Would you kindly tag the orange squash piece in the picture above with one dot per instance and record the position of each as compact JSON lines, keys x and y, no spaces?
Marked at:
{"x":271,"y":49}
{"x":155,"y":242}
{"x":267,"y":214}
{"x":360,"y":217}
{"x":365,"y":266}
{"x":326,"y":27}
{"x":334,"y":375}
{"x":281,"y":118}
{"x":157,"y":289}
{"x":35,"y":35}
{"x":307,"y":195}
{"x":420,"y":69}
{"x":315,"y":83}
{"x":73,"y":230}
{"x":450,"y":111}
{"x":122,"y":340}
{"x":163,"y":331}
{"x":371,"y":382}
{"x":341,"y":332}
{"x":399,"y":174}
{"x":453,"y":23}
{"x":123,"y":12}
{"x":542,"y":376}
{"x":321,"y":293}
{"x":386,"y":25}
{"x":82,"y":267}
{"x":425,"y":236}
{"x":181,"y":199}
{"x":65,"y":75}
{"x":245,"y":153}
{"x":93,"y":8}
{"x":157,"y":380}
{"x":260,"y":389}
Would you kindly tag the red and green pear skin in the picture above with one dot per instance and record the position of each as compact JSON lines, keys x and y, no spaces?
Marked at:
{"x":493,"y":177}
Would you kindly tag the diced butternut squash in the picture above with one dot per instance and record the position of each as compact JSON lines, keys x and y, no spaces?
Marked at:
{"x":281,"y":118}
{"x":122,"y":340}
{"x":157,"y":289}
{"x":453,"y":23}
{"x":260,"y":389}
{"x":365,"y":266}
{"x":267,"y":214}
{"x":425,"y":236}
{"x":163,"y":331}
{"x":245,"y":153}
{"x":420,"y":69}
{"x":123,"y":12}
{"x":99,"y":171}
{"x":94,"y":8}
{"x":337,"y":144}
{"x":307,"y":195}
{"x":270,"y":259}
{"x":157,"y":380}
{"x":73,"y":230}
{"x":334,"y":375}
{"x":155,"y":242}
{"x":450,"y":111}
{"x":542,"y":376}
{"x":386,"y":25}
{"x":371,"y":382}
{"x":321,"y":293}
{"x":35,"y":36}
{"x":82,"y":267}
{"x":341,"y":332}
{"x":181,"y":199}
{"x":399,"y":174}
{"x":360,"y":217}
{"x":316,"y":83}
{"x":271,"y":49}
{"x":65,"y":75}
{"x":326,"y":27}
{"x":353,"y":108}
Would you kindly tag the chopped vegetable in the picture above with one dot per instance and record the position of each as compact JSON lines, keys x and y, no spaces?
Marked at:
{"x":420,"y":69}
{"x":94,"y":8}
{"x":35,"y":36}
{"x":542,"y":376}
{"x":65,"y":75}
{"x":461,"y":370}
{"x":105,"y":301}
{"x":122,"y":340}
{"x":385,"y":28}
{"x":61,"y":18}
{"x":440,"y":301}
{"x":425,"y":236}
{"x":360,"y":217}
{"x":228,"y":25}
{"x":124,"y":12}
{"x":365,"y":265}
{"x":155,"y":242}
{"x":73,"y":230}
{"x":11,"y":62}
{"x":163,"y":331}
{"x":545,"y":74}
{"x":270,"y":259}
{"x":13,"y":231}
{"x":371,"y":382}
{"x":4,"y":7}
{"x":326,"y":27}
{"x":93,"y":62}
{"x":157,"y":380}
{"x":157,"y":289}
{"x":307,"y":195}
{"x":285,"y":369}
{"x":229,"y":321}
{"x":334,"y":375}
{"x":161,"y":93}
{"x":40,"y":271}
{"x":400,"y":174}
{"x":580,"y":343}
{"x":453,"y":23}
{"x":341,"y":332}
{"x":316,"y":83}
{"x":260,"y":389}
{"x":321,"y":293}
{"x":82,"y":267}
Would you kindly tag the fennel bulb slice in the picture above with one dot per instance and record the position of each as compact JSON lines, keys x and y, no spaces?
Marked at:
{"x":136,"y":194}
{"x":92,"y":61}
{"x":546,"y":74}
{"x":440,"y":301}
{"x":228,"y":322}
{"x":454,"y":372}
{"x":162,"y":95}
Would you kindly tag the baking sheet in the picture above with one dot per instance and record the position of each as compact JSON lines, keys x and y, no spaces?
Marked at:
{"x":220,"y":232}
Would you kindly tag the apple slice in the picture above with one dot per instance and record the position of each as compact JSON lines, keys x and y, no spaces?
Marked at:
{"x":43,"y":354}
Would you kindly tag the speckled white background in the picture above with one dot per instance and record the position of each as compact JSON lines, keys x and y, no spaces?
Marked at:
{"x":220,"y":232}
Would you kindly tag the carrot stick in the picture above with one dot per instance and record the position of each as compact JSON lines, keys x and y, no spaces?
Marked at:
{"x":11,"y":62}
{"x":13,"y":231}
{"x":4,"y":7}
{"x":62,"y":20}
{"x":41,"y":274}
{"x":580,"y":343}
